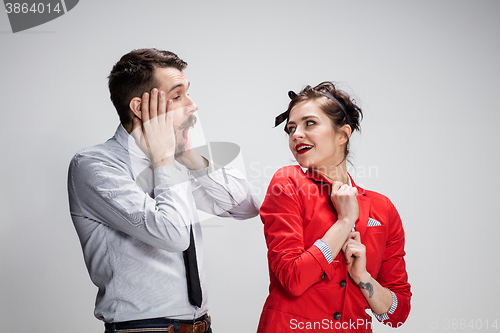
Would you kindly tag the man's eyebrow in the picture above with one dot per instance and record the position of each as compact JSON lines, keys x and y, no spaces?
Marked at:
{"x":303,"y":118}
{"x":178,"y":86}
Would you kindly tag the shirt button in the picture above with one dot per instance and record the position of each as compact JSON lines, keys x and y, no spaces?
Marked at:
{"x":342,"y":283}
{"x":337,"y":316}
{"x":323,"y":276}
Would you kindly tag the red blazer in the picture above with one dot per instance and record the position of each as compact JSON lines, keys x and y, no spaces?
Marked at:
{"x":308,"y":294}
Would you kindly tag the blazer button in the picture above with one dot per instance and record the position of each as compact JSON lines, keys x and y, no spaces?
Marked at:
{"x":337,"y":316}
{"x":342,"y":283}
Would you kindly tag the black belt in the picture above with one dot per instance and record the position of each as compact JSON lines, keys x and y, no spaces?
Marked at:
{"x":164,"y":325}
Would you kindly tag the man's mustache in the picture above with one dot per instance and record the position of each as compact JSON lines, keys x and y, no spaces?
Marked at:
{"x":190,"y":122}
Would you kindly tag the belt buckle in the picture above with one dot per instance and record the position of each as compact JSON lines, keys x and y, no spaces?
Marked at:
{"x":194,"y":325}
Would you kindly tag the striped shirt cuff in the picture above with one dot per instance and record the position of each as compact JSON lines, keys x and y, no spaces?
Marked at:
{"x":393,"y":307}
{"x":325,"y":249}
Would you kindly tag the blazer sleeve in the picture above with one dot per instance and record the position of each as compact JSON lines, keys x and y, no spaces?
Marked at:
{"x":295,"y":267}
{"x":392,"y":274}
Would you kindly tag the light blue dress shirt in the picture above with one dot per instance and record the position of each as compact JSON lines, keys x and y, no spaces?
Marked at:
{"x":133,"y":224}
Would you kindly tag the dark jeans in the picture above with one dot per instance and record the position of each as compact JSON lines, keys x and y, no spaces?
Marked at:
{"x":150,"y":323}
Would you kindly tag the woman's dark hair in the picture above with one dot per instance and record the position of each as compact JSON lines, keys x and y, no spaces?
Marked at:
{"x":133,"y":75}
{"x":352,"y":115}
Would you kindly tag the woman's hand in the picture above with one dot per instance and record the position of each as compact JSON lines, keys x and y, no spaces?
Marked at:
{"x":344,"y":199}
{"x":378,"y":297}
{"x":355,"y":256}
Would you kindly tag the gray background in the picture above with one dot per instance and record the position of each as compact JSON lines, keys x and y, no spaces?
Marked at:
{"x":426,"y":74}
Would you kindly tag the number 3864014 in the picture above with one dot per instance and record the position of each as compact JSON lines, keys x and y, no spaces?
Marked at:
{"x":35,"y":8}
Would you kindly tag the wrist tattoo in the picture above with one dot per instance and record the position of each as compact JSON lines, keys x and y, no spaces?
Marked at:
{"x":368,"y":287}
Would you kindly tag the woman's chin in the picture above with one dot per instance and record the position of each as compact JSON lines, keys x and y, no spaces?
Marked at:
{"x":306,"y":164}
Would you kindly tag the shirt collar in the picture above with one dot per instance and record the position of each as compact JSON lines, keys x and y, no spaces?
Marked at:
{"x":317,"y":177}
{"x":127,"y":141}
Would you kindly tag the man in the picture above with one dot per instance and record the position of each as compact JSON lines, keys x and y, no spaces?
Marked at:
{"x":133,"y":202}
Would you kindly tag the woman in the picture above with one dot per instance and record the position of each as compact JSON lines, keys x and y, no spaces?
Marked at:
{"x":334,"y":249}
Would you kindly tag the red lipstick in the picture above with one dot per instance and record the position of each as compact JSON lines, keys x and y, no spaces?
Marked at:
{"x":303,"y":148}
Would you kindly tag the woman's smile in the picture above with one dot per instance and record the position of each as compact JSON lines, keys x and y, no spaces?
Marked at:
{"x":303,"y":148}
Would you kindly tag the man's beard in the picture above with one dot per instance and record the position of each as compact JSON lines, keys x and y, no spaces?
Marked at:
{"x":180,"y":148}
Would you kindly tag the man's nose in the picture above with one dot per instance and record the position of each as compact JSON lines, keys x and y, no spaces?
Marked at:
{"x":191,"y":107}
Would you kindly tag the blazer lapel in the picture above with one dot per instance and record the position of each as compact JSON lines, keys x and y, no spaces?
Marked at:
{"x":364,"y":211}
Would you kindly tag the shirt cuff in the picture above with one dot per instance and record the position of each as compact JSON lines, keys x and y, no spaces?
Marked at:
{"x":201,"y":172}
{"x":325,"y":249}
{"x":394,"y":305}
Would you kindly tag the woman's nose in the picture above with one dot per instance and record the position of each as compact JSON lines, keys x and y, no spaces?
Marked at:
{"x":297,"y":134}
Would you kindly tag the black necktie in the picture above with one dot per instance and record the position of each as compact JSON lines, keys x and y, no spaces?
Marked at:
{"x":193,"y":278}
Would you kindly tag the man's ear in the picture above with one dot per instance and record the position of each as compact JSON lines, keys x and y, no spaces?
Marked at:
{"x":135,"y":106}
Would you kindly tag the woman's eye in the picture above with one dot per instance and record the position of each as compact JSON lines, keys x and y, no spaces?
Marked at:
{"x":310,"y":122}
{"x":177,"y":97}
{"x":291,"y":129}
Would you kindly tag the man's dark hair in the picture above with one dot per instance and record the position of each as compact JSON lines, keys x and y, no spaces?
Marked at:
{"x":133,"y":75}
